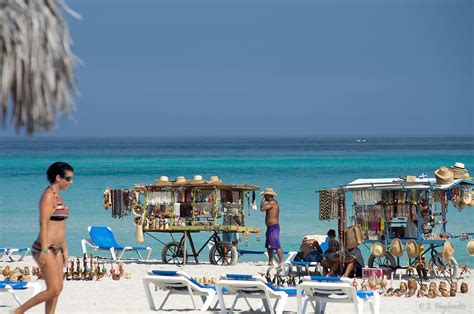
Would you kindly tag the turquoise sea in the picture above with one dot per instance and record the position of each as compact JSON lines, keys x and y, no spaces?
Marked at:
{"x":294,"y":167}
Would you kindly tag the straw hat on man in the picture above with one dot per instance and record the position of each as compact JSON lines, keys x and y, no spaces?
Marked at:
{"x":268,"y":191}
{"x":396,"y":247}
{"x":444,"y":175}
{"x":412,"y":249}
{"x":377,"y":249}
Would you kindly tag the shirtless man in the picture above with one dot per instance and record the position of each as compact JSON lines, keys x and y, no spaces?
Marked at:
{"x":269,"y":205}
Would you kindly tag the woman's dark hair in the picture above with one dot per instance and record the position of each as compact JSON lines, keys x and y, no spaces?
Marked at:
{"x":332,"y":232}
{"x":58,"y":168}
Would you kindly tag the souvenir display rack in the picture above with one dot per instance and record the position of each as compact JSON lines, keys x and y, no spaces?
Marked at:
{"x":385,"y":209}
{"x":187,"y":207}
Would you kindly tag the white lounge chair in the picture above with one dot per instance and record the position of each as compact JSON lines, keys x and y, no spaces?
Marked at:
{"x":13,"y":288}
{"x":321,"y":290}
{"x":9,"y":252}
{"x":302,"y":267}
{"x":177,"y":282}
{"x":102,"y":238}
{"x":252,"y":287}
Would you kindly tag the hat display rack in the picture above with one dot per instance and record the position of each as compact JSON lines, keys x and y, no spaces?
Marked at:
{"x":391,"y":211}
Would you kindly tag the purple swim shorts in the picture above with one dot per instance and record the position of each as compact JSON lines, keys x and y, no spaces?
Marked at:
{"x":273,"y":237}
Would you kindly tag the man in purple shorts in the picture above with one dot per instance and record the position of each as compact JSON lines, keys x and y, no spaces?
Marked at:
{"x":270,"y":206}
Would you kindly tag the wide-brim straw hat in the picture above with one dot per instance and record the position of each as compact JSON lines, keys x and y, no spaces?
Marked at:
{"x":377,"y":249}
{"x":396,"y":247}
{"x":197,"y":179}
{"x":412,"y":249}
{"x":444,"y":175}
{"x":268,"y":191}
{"x":470,"y":247}
{"x":180,"y":180}
{"x":163,"y":180}
{"x":448,"y":250}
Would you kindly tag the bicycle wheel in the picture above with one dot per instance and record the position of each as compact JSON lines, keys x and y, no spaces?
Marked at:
{"x":384,"y":261}
{"x":441,"y":268}
{"x":222,"y":253}
{"x":172,"y":253}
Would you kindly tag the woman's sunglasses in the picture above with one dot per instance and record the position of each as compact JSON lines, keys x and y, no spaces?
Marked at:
{"x":68,"y":179}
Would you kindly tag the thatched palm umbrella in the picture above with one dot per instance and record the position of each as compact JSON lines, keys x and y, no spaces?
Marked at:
{"x":36,"y":63}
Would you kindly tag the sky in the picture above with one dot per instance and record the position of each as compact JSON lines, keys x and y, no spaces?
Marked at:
{"x":272,"y":68}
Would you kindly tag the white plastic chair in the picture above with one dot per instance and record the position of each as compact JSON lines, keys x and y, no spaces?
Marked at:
{"x":252,"y":287}
{"x":177,"y":282}
{"x":9,"y":252}
{"x":322,"y":290}
{"x":13,"y":288}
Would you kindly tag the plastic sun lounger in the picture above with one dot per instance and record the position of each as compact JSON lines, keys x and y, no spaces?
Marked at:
{"x":13,"y":288}
{"x":291,"y":264}
{"x":252,"y":287}
{"x":103,"y":239}
{"x":321,"y":290}
{"x":8,"y":252}
{"x":178,"y":282}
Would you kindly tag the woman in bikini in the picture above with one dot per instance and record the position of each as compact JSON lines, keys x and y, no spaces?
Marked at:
{"x":50,"y":248}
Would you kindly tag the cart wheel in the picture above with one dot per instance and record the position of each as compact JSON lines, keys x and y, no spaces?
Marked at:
{"x":385,"y":261}
{"x":172,"y":254}
{"x":441,"y":268}
{"x":222,"y":253}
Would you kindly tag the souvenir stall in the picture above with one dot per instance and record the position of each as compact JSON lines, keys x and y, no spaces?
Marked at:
{"x":392,"y":212}
{"x":185,"y":207}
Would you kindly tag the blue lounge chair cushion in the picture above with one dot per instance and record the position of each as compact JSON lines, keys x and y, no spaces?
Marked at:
{"x":301,"y":263}
{"x":104,"y":238}
{"x":164,"y":272}
{"x":138,"y":247}
{"x":326,"y":279}
{"x":239,"y":277}
{"x":291,"y":291}
{"x":242,"y":252}
{"x":364,"y":294}
{"x":14,"y":284}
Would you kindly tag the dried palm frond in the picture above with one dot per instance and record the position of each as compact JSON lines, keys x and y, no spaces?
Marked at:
{"x":36,"y":63}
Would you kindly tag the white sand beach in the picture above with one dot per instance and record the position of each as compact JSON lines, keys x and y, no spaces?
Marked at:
{"x":128,"y":296}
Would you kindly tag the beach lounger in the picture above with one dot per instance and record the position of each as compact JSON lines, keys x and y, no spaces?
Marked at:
{"x":9,"y":253}
{"x":177,"y":282}
{"x":102,"y":238}
{"x":321,"y":290}
{"x":303,"y":267}
{"x":14,"y":287}
{"x":252,"y":287}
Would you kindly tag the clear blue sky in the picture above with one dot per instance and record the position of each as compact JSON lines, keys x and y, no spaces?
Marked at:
{"x":340,"y":68}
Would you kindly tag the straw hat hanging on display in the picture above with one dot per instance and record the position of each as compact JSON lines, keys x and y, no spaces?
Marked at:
{"x":377,"y":249}
{"x":197,"y":179}
{"x":412,"y":249}
{"x":214,"y":180}
{"x":163,"y":180}
{"x":180,"y":180}
{"x":448,"y":251}
{"x":470,"y":247}
{"x":444,"y":175}
{"x":396,"y":247}
{"x":138,"y":210}
{"x":466,"y":197}
{"x":460,"y":171}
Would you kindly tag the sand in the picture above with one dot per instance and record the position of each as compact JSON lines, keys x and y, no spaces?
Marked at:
{"x":128,"y":296}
